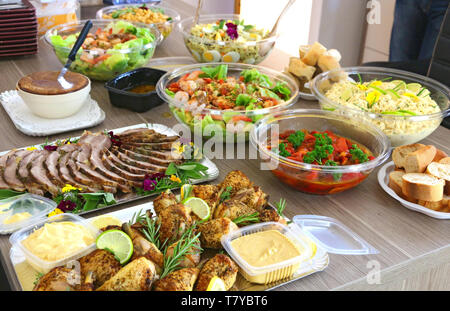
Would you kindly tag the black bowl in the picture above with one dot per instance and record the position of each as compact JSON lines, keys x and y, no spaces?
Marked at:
{"x":121,"y":96}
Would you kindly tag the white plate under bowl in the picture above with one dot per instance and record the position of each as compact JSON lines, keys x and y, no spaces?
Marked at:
{"x":306,"y":96}
{"x":30,"y":124}
{"x":383,"y":180}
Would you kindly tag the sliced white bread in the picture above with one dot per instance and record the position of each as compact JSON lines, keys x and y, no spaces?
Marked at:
{"x":423,"y":187}
{"x":312,"y":56}
{"x":417,"y":161}
{"x":444,"y":160}
{"x":439,"y":155}
{"x":435,"y":206}
{"x":442,"y":171}
{"x":396,"y":182}
{"x":399,"y":154}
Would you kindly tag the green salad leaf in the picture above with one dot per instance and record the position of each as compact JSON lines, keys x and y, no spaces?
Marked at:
{"x":219,"y":72}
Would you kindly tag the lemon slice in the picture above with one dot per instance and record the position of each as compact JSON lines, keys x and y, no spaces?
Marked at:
{"x":414,"y":87}
{"x":199,"y":207}
{"x":118,"y":243}
{"x":185,"y":191}
{"x":105,"y":220}
{"x":216,"y":285}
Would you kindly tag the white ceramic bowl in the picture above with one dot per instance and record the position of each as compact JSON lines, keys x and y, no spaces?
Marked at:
{"x":55,"y":106}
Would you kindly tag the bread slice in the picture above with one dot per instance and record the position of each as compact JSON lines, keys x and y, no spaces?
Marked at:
{"x":442,"y":171}
{"x":417,"y":161}
{"x":399,"y":154}
{"x":312,"y":56}
{"x":435,"y":206}
{"x":303,"y":49}
{"x":396,"y":181}
{"x":327,"y":62}
{"x":444,"y":160}
{"x":439,"y":155}
{"x":423,"y":187}
{"x":300,"y":69}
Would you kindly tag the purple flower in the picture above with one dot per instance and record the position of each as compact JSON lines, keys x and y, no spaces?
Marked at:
{"x":232,"y":30}
{"x":66,"y":205}
{"x":150,"y":181}
{"x":115,"y":140}
{"x":50,"y":148}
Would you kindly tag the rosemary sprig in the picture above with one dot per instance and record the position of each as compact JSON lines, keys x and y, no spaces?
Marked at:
{"x":281,"y":205}
{"x":246,"y":220}
{"x":151,"y":232}
{"x":188,"y":243}
{"x":226,"y":194}
{"x":137,"y":217}
{"x":38,"y":277}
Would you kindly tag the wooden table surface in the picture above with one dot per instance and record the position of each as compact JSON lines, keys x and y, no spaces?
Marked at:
{"x":414,"y":248}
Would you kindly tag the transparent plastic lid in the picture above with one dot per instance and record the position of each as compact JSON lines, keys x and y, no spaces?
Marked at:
{"x":333,"y":236}
{"x":22,"y":210}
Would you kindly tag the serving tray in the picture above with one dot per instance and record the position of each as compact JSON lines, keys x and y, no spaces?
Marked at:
{"x":27,"y":275}
{"x":30,"y":124}
{"x":383,"y":180}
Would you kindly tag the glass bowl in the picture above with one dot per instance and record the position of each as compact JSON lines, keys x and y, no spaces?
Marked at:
{"x":164,"y":27}
{"x":319,"y":179}
{"x":207,"y":50}
{"x":222,"y":124}
{"x":400,"y":129}
{"x":122,"y":60}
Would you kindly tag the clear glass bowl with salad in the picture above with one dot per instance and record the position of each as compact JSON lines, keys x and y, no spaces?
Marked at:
{"x":220,"y":100}
{"x":162,"y":17}
{"x":407,"y":107}
{"x":318,"y":151}
{"x":226,"y":38}
{"x":111,"y":47}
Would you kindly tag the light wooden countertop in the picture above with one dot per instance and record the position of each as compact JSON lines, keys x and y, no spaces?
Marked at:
{"x":414,"y":248}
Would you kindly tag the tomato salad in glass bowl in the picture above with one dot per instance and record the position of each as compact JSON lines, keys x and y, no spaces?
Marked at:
{"x":319,"y":152}
{"x":217,"y":99}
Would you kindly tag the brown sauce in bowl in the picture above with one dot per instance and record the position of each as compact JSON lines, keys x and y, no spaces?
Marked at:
{"x":142,"y":89}
{"x":46,"y":83}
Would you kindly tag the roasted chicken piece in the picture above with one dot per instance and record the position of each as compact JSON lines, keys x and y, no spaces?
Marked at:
{"x":143,"y":247}
{"x":208,"y":193}
{"x":270,"y":214}
{"x":59,"y":279}
{"x":101,"y":263}
{"x":191,"y":260}
{"x":253,"y":197}
{"x":89,"y":282}
{"x":213,"y":230}
{"x":138,"y":275}
{"x":174,"y":220}
{"x":179,"y":280}
{"x":237,"y":181}
{"x":233,"y":209}
{"x":163,"y":201}
{"x":221,"y":266}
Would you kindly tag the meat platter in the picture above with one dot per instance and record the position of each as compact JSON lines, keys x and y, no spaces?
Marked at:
{"x":94,"y":164}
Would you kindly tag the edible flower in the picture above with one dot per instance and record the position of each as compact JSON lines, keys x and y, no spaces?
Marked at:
{"x":175,"y":178}
{"x":412,"y":95}
{"x":115,"y":140}
{"x":50,"y":147}
{"x":150,"y":181}
{"x":376,"y":83}
{"x":362,"y":87}
{"x":66,"y":206}
{"x":56,"y":211}
{"x":68,"y":188}
{"x":232,"y":30}
{"x":31,"y":148}
{"x":373,"y":97}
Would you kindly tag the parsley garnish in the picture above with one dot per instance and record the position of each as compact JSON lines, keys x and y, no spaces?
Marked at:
{"x":282,"y":150}
{"x":358,"y":154}
{"x":296,"y":139}
{"x":322,"y":149}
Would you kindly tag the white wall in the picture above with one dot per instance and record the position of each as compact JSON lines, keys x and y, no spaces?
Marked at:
{"x":213,"y":6}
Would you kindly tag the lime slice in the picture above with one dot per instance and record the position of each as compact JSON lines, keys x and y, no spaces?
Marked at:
{"x":414,"y":87}
{"x":216,"y":285}
{"x":105,"y":220}
{"x":198,"y":207}
{"x":185,"y":191}
{"x":117,"y":242}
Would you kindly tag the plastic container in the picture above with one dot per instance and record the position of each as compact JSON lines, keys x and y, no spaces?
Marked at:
{"x":38,"y":207}
{"x":222,"y":123}
{"x":249,"y":52}
{"x":401,"y":130}
{"x":44,"y":266}
{"x":328,"y":179}
{"x":271,"y":273}
{"x":130,"y":58}
{"x":165,"y":28}
{"x":170,"y":63}
{"x":121,"y":96}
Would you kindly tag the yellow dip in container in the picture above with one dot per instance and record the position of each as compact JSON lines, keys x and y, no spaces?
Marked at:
{"x":16,"y":217}
{"x":58,"y":240}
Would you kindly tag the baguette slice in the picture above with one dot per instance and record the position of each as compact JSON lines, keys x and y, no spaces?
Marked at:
{"x":396,"y":182}
{"x":442,"y":171}
{"x":440,"y":155}
{"x":417,"y":161}
{"x":445,"y":160}
{"x":300,"y":69}
{"x":399,"y":154}
{"x":327,"y":62}
{"x":445,"y":202}
{"x":312,"y":56}
{"x":423,"y":187}
{"x":435,"y":206}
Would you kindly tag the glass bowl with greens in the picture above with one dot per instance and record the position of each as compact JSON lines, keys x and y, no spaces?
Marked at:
{"x":225,"y":100}
{"x":110,"y":48}
{"x":407,"y":107}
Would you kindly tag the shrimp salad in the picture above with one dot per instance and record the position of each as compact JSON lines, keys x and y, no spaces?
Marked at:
{"x":197,"y":94}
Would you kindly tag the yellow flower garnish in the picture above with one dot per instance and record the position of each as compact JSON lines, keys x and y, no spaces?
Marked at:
{"x":175,"y":178}
{"x":412,"y":95}
{"x":362,"y":87}
{"x":31,"y":148}
{"x":191,"y":143}
{"x":373,"y":97}
{"x":376,"y":83}
{"x":56,"y":211}
{"x":68,"y":188}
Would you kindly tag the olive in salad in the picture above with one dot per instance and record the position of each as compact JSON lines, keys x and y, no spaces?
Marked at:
{"x":118,"y":47}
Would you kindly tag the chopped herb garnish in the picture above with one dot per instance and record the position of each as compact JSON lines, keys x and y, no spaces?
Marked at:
{"x":282,"y":150}
{"x":296,"y":139}
{"x":358,"y":154}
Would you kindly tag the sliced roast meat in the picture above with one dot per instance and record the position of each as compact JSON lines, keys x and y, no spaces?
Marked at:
{"x":166,"y":155}
{"x":10,"y":171}
{"x":23,"y":173}
{"x":39,"y":173}
{"x":149,"y":158}
{"x":136,"y":132}
{"x":153,"y":138}
{"x":125,"y":174}
{"x":3,"y":184}
{"x":119,"y":163}
{"x":148,"y":146}
{"x":51,"y":163}
{"x":148,"y":166}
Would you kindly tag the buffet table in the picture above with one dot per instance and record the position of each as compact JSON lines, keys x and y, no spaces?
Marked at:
{"x":414,"y":248}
